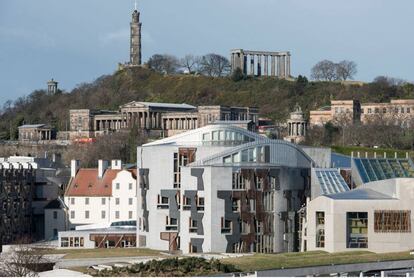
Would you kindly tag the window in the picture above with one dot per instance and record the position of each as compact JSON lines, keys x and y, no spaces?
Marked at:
{"x":129,"y":214}
{"x":376,"y":110}
{"x":357,"y":229}
{"x":244,"y":227}
{"x":103,"y":201}
{"x":320,"y":229}
{"x":369,"y":110}
{"x":129,"y":201}
{"x":72,"y":214}
{"x":384,"y":110}
{"x":408,"y":110}
{"x":200,"y":203}
{"x":87,"y":214}
{"x":362,"y":110}
{"x":103,"y":214}
{"x":226,"y":226}
{"x":64,"y":242}
{"x":235,"y":205}
{"x":71,"y":242}
{"x":55,"y":215}
{"x":392,"y":221}
{"x":186,"y":203}
{"x":162,"y":202}
{"x":171,"y":224}
{"x":116,"y":214}
{"x":117,"y":186}
{"x":72,"y":201}
{"x":116,"y":201}
{"x":86,"y":201}
{"x":193,"y":225}
{"x":130,"y":186}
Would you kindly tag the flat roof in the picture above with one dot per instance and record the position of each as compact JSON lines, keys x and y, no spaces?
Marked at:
{"x":360,"y":194}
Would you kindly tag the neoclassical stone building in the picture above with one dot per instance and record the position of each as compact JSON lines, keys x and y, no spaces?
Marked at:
{"x":340,"y":112}
{"x":157,"y":119}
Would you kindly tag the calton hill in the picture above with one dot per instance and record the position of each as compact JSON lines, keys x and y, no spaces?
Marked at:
{"x":274,"y":97}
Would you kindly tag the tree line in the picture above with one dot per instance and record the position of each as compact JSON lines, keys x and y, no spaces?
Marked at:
{"x":211,"y":64}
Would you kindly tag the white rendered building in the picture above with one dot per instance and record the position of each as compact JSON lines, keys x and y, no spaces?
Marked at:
{"x":101,"y":196}
{"x":376,"y":217}
{"x":221,"y":188}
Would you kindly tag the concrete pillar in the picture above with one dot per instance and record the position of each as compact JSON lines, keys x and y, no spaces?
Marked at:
{"x":282,"y":64}
{"x":266,"y":65}
{"x":272,"y":66}
{"x":233,"y":66}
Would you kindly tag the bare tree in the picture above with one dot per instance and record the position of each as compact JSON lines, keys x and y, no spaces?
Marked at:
{"x":215,"y":65}
{"x":166,"y":64}
{"x":324,"y":70}
{"x":346,"y":70}
{"x":190,"y":62}
{"x":22,"y":261}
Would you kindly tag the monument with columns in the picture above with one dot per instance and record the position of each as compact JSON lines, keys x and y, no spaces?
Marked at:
{"x":52,"y":87}
{"x":261,"y":63}
{"x":297,"y":126}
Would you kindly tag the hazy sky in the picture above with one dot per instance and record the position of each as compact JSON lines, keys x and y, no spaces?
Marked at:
{"x":76,"y":41}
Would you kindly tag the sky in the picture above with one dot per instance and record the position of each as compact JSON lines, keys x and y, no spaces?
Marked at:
{"x":77,"y":41}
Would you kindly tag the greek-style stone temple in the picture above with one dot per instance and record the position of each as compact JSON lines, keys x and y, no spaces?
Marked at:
{"x":135,"y":54}
{"x":257,"y":62}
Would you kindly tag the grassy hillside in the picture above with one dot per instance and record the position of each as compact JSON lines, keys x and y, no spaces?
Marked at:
{"x":274,"y":97}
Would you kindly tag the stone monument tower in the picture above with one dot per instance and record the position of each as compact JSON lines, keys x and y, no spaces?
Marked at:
{"x":297,"y":126}
{"x":135,"y":55}
{"x":52,"y":86}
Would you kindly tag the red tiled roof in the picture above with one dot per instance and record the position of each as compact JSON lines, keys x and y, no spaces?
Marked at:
{"x":87,"y":183}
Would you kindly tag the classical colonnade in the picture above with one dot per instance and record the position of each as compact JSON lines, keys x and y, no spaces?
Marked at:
{"x":257,"y":62}
{"x":297,"y":128}
{"x":180,"y":123}
{"x":142,"y":120}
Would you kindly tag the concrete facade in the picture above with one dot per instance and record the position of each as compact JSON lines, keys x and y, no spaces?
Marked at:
{"x":341,"y":112}
{"x":222,"y":189}
{"x":387,"y":227}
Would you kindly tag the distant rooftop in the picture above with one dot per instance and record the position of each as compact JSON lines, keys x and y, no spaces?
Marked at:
{"x":33,"y":126}
{"x":162,"y":105}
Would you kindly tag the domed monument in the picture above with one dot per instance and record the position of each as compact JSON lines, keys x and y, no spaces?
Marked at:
{"x":297,"y":126}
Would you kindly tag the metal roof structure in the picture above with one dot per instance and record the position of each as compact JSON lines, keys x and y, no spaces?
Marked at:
{"x":330,"y":181}
{"x":374,"y":169}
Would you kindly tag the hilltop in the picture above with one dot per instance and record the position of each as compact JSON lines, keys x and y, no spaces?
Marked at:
{"x":275,"y":97}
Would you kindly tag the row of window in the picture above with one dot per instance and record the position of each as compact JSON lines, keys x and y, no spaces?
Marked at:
{"x":239,"y":182}
{"x":257,"y":154}
{"x":72,"y":242}
{"x":103,"y":201}
{"x":163,"y":202}
{"x":384,"y":110}
{"x":103,"y":214}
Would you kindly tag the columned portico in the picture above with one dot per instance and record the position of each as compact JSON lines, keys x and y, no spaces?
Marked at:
{"x":259,"y":63}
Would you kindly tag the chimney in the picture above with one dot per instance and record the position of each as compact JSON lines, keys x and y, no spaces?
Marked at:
{"x":102,"y":166}
{"x":74,"y":167}
{"x":116,"y":164}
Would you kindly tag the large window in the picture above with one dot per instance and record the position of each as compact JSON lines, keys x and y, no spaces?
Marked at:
{"x":320,"y":229}
{"x":392,"y":221}
{"x":357,"y":229}
{"x":71,"y":242}
{"x":256,"y":154}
